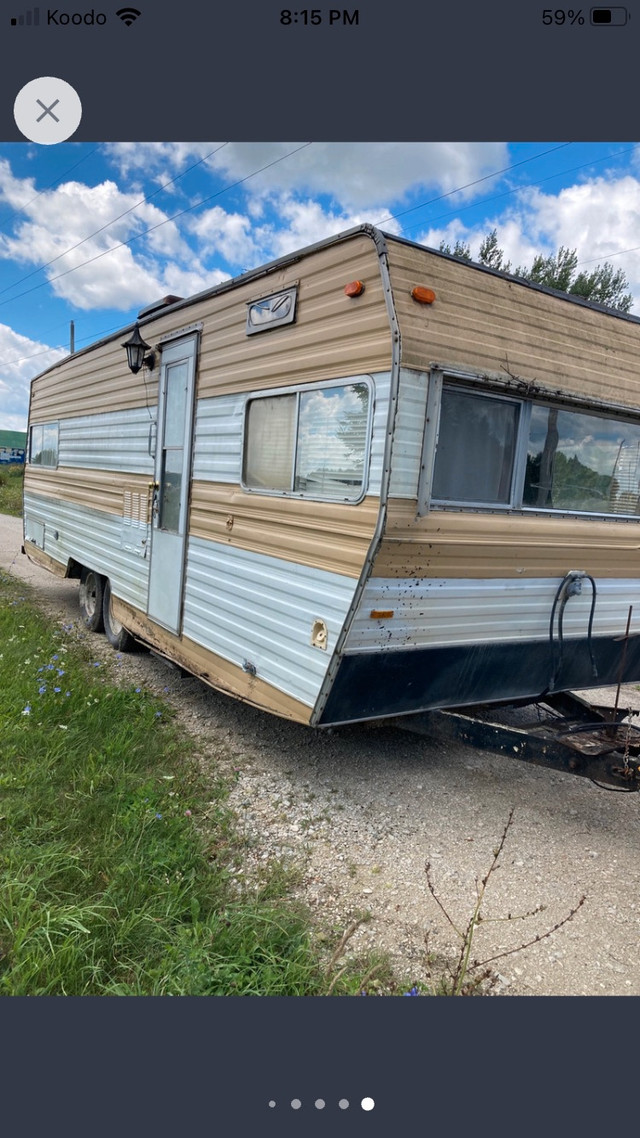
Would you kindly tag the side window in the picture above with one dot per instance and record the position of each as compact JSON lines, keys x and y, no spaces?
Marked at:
{"x":582,"y":463}
{"x":43,"y":444}
{"x":476,"y":448}
{"x":311,"y":443}
{"x":499,"y":451}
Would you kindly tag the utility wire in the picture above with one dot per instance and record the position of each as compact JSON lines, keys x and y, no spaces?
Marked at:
{"x":152,"y":228}
{"x":113,"y":220}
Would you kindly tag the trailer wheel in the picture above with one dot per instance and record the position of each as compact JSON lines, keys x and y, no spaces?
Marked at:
{"x":115,"y":632}
{"x":90,"y":596}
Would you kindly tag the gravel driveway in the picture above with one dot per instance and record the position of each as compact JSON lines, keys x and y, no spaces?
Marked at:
{"x":362,"y":809}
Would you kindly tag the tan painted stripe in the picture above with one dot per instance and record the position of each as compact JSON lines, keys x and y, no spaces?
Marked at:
{"x":218,"y":673}
{"x":39,"y":557}
{"x":96,"y":489}
{"x":447,"y":545}
{"x":324,"y":535}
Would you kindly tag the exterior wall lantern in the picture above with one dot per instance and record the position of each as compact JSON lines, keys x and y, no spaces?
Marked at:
{"x":139,"y":354}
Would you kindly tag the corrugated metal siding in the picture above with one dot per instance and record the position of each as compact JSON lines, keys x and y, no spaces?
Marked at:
{"x":90,"y":383}
{"x":217,"y":450}
{"x":247,"y":607}
{"x":446,"y":543}
{"x":485,"y":323}
{"x":95,"y":540}
{"x":333,"y":335}
{"x":408,"y":434}
{"x":324,"y":535}
{"x":382,"y":390}
{"x":441,"y":612}
{"x":114,"y":441}
{"x":94,"y":489}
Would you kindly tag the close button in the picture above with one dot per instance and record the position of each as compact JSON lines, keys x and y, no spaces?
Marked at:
{"x":47,"y":110}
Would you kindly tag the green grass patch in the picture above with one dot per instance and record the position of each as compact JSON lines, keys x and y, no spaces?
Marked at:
{"x":117,"y":855}
{"x":11,"y":483}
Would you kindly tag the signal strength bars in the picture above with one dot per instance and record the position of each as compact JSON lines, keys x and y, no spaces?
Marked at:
{"x":31,"y":19}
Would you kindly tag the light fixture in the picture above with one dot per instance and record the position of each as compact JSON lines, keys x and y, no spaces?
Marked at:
{"x":138,"y":353}
{"x":423,"y":295}
{"x":354,"y":288}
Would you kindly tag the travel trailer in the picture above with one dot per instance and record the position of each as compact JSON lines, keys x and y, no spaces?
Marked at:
{"x":366,"y":480}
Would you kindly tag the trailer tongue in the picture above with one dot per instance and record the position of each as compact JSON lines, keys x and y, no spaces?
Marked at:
{"x":567,"y":734}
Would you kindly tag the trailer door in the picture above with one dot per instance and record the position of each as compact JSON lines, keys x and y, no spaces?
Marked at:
{"x":172,"y":476}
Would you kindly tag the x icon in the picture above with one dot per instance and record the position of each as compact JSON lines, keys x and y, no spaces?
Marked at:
{"x":48,"y":110}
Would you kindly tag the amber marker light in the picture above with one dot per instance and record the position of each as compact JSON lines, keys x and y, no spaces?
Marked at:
{"x":423,"y":295}
{"x":381,"y":614}
{"x":354,"y":288}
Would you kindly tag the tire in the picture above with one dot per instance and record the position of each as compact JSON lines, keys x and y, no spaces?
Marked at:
{"x":115,"y":632}
{"x":90,"y":596}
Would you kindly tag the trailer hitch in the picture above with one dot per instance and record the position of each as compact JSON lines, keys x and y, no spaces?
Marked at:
{"x":568,"y":734}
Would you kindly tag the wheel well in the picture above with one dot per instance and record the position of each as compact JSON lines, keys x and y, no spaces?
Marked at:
{"x":74,"y":568}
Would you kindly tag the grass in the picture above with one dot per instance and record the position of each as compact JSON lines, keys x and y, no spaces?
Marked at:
{"x":11,"y":481}
{"x":118,"y":858}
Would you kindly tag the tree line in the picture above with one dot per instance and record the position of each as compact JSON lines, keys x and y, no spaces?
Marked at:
{"x":604,"y":284}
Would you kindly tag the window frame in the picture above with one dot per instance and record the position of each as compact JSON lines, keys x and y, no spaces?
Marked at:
{"x":53,"y":424}
{"x":298,"y":390}
{"x":438,"y":380}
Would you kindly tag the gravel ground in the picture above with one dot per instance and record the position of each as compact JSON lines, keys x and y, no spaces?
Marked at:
{"x":361,"y":810}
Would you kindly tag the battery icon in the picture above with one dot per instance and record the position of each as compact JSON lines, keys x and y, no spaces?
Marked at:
{"x":611,"y":17}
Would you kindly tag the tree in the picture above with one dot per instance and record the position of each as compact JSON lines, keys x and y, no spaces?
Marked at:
{"x":604,"y":284}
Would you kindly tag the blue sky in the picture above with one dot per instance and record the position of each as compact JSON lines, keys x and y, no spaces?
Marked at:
{"x":94,"y":232}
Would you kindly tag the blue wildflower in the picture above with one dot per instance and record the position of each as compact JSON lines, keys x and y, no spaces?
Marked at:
{"x":42,"y":689}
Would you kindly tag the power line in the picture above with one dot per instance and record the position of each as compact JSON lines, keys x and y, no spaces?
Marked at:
{"x":476,"y":182}
{"x":106,"y":225}
{"x":526,"y":186}
{"x":152,"y":228}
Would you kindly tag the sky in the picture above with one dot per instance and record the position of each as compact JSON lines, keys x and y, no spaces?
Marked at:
{"x":92,"y":233}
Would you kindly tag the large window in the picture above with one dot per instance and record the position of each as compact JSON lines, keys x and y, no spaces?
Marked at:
{"x":43,"y":444}
{"x":497,"y":451}
{"x":311,"y":443}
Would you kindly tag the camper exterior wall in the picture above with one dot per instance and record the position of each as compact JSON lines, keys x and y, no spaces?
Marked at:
{"x":486,"y":323}
{"x":468,"y":592}
{"x":333,"y":336}
{"x":260,"y":568}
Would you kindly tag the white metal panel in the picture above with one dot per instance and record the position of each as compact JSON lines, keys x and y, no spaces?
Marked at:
{"x":115,"y":440}
{"x":382,"y":386}
{"x":430,"y":612}
{"x":258,"y":610}
{"x":217,"y":451}
{"x":408,"y":434}
{"x":94,"y":539}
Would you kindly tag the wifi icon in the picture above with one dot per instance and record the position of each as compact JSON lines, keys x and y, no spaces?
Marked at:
{"x":128,"y":15}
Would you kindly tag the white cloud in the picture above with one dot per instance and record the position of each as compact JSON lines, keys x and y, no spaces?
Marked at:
{"x":357,"y":175}
{"x":54,"y":229}
{"x":227,"y":234}
{"x":20,"y":359}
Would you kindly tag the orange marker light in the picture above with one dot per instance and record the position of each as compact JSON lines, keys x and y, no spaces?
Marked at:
{"x":354,"y":288}
{"x":423,"y":295}
{"x":381,"y":614}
